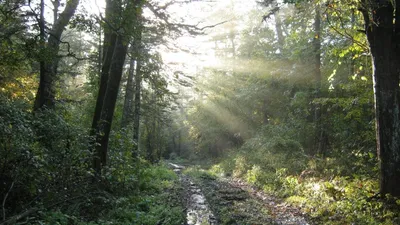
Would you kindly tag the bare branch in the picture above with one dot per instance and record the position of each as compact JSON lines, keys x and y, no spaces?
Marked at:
{"x":192,"y":29}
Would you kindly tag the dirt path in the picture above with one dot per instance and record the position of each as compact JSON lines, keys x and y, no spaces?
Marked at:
{"x":211,"y":201}
{"x":198,"y":211}
{"x":281,"y":212}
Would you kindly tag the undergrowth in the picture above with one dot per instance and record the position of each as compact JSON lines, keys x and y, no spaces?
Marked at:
{"x":157,"y":201}
{"x":325,"y":188}
{"x":46,"y":175}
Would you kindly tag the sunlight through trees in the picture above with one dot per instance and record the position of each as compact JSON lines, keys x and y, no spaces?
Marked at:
{"x":296,"y":101}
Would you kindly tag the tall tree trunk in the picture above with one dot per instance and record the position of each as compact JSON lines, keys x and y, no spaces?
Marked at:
{"x":110,"y":99}
{"x":384,"y":41}
{"x":56,"y":5}
{"x":319,"y":143}
{"x":353,"y":24}
{"x":114,"y":53}
{"x":100,"y":53}
{"x":43,"y":79}
{"x":129,"y":93}
{"x":110,"y":11}
{"x":105,"y":70}
{"x":49,"y":62}
{"x":138,"y":86}
{"x":109,"y":44}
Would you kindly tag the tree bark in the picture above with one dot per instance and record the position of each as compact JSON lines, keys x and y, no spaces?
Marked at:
{"x":138,"y":86}
{"x":114,"y":52}
{"x":100,"y":52}
{"x":105,"y":70}
{"x":110,"y":12}
{"x":383,"y":37}
{"x":49,"y":62}
{"x":110,"y":99}
{"x":56,"y":5}
{"x":319,"y":142}
{"x":129,"y":93}
{"x":97,"y":160}
{"x":109,"y":44}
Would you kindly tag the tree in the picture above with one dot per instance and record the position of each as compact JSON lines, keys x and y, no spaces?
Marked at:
{"x":108,"y":52}
{"x":138,"y":84}
{"x":120,"y":14}
{"x":129,"y":92}
{"x":382,"y":27}
{"x":319,"y":145}
{"x":49,"y":60}
{"x":109,"y":101}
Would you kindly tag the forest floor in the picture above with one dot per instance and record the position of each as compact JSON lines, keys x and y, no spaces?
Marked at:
{"x":211,"y":200}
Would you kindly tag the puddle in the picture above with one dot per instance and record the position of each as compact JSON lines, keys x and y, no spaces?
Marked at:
{"x":198,"y":211}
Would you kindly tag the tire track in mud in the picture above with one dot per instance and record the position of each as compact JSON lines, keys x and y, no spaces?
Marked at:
{"x":198,"y":211}
{"x":283,"y":213}
{"x":211,"y":201}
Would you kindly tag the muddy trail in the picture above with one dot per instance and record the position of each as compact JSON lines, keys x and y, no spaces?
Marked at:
{"x":211,"y":201}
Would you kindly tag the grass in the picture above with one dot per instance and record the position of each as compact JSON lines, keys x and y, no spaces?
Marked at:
{"x":157,"y":201}
{"x":323,"y":193}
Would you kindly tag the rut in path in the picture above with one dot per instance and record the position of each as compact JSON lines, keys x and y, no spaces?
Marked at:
{"x":212,"y":201}
{"x":197,"y":210}
{"x":281,"y":212}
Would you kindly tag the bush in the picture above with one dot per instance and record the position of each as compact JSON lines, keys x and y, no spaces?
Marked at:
{"x":331,"y":190}
{"x":157,"y":200}
{"x":45,"y":161}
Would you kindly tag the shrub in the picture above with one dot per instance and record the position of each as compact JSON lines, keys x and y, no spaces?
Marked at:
{"x":45,"y":160}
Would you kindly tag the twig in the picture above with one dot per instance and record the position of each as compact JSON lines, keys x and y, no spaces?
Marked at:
{"x":192,"y":29}
{"x":345,"y":33}
{"x":15,"y":218}
{"x":5,"y":199}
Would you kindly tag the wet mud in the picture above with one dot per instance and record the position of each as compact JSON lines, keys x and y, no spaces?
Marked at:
{"x":214,"y":201}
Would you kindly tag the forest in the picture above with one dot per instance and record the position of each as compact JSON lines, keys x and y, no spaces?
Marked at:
{"x":199,"y":112}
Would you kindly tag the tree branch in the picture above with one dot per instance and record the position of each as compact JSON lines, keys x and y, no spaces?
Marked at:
{"x":5,"y":199}
{"x":192,"y":29}
{"x":343,"y":33}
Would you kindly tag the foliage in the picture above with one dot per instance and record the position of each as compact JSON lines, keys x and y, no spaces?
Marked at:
{"x":44,"y":158}
{"x":122,"y":170}
{"x":15,"y":43}
{"x":256,"y":114}
{"x":269,"y":98}
{"x":46,"y":162}
{"x":157,"y":200}
{"x":328,"y":195}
